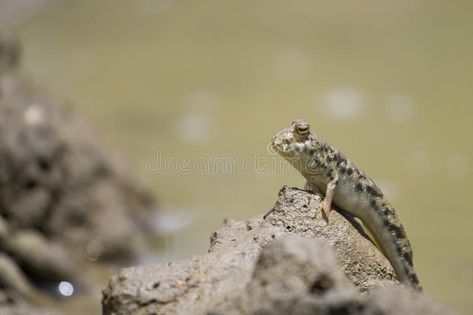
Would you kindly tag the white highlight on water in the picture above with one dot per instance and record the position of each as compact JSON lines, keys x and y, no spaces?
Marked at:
{"x":66,"y":288}
{"x":34,"y":115}
{"x":197,"y":123}
{"x":342,"y":104}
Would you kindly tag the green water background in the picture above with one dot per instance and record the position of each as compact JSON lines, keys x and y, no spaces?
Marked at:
{"x":387,"y":82}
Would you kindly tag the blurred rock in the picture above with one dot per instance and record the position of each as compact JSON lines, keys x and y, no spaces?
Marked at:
{"x":17,"y":12}
{"x":42,"y":259}
{"x":65,"y":203}
{"x":12,"y":277}
{"x":9,"y":51}
{"x":290,"y":263}
{"x":56,"y":179}
{"x":10,"y":304}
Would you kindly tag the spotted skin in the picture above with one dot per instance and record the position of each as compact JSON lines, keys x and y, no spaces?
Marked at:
{"x":342,"y":183}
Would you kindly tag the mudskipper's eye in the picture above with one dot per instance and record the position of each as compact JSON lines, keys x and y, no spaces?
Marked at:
{"x":302,"y":129}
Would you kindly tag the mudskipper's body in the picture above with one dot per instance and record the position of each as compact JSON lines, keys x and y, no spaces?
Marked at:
{"x":329,"y":172}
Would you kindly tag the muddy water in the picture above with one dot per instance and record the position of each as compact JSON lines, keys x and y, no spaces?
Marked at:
{"x":193,"y":91}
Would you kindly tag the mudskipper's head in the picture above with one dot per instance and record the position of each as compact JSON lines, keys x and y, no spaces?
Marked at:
{"x":294,"y":142}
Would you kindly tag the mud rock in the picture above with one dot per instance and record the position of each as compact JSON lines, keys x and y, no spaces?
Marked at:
{"x":300,"y":213}
{"x":391,"y":300}
{"x":296,"y":276}
{"x":290,"y":263}
{"x":187,"y":287}
{"x":302,"y":276}
{"x":203,"y":282}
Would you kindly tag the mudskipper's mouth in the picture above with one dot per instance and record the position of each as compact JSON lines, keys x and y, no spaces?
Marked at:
{"x":280,"y":148}
{"x":280,"y":143}
{"x":276,"y":145}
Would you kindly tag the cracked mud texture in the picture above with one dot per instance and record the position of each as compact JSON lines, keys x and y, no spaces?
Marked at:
{"x":322,"y":271}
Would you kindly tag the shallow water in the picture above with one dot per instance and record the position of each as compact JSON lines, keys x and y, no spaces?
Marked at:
{"x":192,"y":92}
